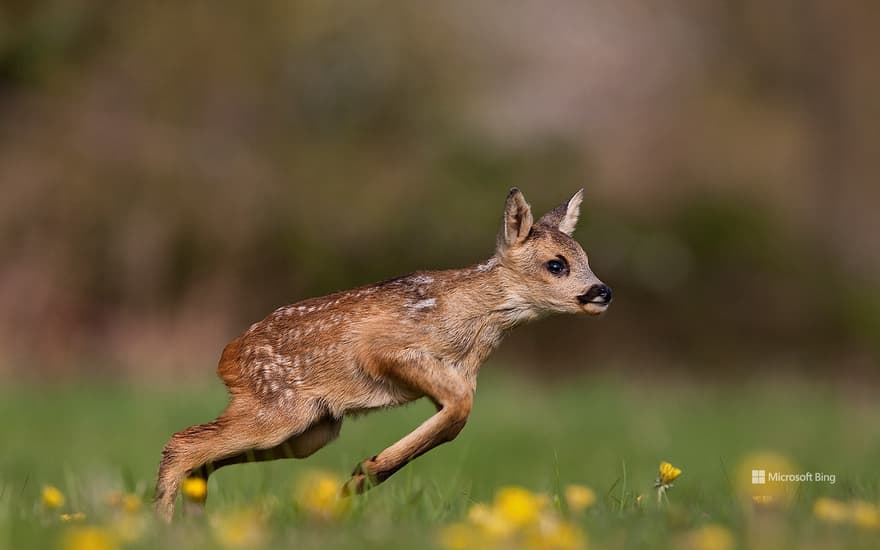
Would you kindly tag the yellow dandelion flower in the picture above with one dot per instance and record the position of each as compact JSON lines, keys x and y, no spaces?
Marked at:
{"x":710,"y":537}
{"x":518,"y":518}
{"x":89,"y":538}
{"x":830,"y":510}
{"x":489,"y":521}
{"x":479,"y":513}
{"x":579,"y":497}
{"x":195,"y":489}
{"x":241,"y":529}
{"x":76,"y":516}
{"x":461,"y":536}
{"x":52,"y":497}
{"x":556,"y":535}
{"x":864,"y":514}
{"x":319,"y":496}
{"x":668,"y":474}
{"x":131,"y":504}
{"x":518,"y":506}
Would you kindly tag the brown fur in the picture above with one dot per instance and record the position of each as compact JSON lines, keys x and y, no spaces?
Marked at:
{"x":293,"y":376}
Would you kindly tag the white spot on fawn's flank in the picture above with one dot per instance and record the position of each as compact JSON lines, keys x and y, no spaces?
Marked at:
{"x":422,"y":279}
{"x":425,"y":304}
{"x":487,"y":265}
{"x":265,"y":350}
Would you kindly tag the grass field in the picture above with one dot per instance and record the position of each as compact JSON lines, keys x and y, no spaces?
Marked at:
{"x":90,"y":440}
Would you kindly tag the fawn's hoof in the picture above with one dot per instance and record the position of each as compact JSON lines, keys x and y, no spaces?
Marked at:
{"x":362,"y":478}
{"x":355,"y":486}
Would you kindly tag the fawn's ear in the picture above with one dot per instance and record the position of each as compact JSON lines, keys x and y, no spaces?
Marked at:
{"x":517,"y":220}
{"x":565,"y":216}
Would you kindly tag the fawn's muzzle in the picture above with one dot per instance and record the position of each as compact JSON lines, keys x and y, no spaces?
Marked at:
{"x":598,"y":294}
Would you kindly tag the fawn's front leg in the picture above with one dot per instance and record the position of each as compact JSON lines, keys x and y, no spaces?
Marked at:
{"x":453,"y":396}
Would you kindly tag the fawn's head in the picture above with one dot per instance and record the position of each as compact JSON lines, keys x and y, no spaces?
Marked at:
{"x":542,"y":265}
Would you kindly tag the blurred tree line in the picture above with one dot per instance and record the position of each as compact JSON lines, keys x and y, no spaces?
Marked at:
{"x":172,"y":172}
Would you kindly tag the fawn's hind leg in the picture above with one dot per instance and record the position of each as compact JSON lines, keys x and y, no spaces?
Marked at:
{"x":301,"y":445}
{"x":234,"y":433}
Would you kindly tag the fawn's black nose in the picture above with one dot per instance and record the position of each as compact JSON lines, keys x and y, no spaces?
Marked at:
{"x":598,"y":294}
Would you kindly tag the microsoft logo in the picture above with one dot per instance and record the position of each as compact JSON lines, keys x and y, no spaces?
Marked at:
{"x":759,"y":477}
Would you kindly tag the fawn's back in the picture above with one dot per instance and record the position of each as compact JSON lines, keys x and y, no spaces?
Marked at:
{"x":337,"y":350}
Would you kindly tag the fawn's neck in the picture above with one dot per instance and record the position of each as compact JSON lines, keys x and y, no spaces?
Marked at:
{"x":481,"y":306}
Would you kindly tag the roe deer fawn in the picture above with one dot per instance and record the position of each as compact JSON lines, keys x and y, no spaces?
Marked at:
{"x":293,"y":376}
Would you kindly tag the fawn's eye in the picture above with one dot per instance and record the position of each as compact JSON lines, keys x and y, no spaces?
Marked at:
{"x":556,"y":267}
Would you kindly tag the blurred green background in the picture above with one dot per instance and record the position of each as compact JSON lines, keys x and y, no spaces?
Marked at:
{"x":171,"y":173}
